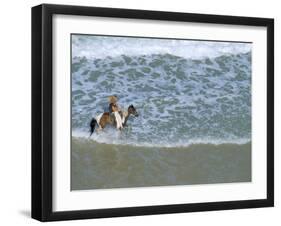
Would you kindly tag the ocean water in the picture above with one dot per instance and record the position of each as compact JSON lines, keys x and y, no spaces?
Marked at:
{"x":186,"y":92}
{"x":102,"y":166}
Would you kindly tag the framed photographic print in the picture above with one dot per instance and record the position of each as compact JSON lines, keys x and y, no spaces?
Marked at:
{"x":145,"y":112}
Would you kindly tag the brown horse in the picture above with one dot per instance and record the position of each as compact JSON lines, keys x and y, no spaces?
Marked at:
{"x":109,"y":118}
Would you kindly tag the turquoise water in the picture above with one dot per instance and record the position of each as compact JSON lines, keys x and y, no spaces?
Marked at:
{"x":184,"y":91}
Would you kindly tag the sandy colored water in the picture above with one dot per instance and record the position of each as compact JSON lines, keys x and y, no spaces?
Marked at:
{"x":99,"y":166}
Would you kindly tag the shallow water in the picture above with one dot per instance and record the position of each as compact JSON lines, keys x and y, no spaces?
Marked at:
{"x":100,"y":166}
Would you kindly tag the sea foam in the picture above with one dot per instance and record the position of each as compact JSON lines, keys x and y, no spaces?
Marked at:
{"x":102,"y":46}
{"x":184,"y":91}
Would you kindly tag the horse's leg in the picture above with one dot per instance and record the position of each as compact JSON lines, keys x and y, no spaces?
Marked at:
{"x":99,"y":129}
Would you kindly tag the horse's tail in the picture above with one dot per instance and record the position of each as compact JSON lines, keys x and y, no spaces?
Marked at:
{"x":93,"y":125}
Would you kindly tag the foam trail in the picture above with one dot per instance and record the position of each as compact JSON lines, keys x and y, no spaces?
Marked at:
{"x":113,"y":137}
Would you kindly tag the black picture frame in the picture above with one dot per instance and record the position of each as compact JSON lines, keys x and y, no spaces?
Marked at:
{"x":42,"y":111}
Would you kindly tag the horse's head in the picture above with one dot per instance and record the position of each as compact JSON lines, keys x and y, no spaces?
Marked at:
{"x":132,"y":111}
